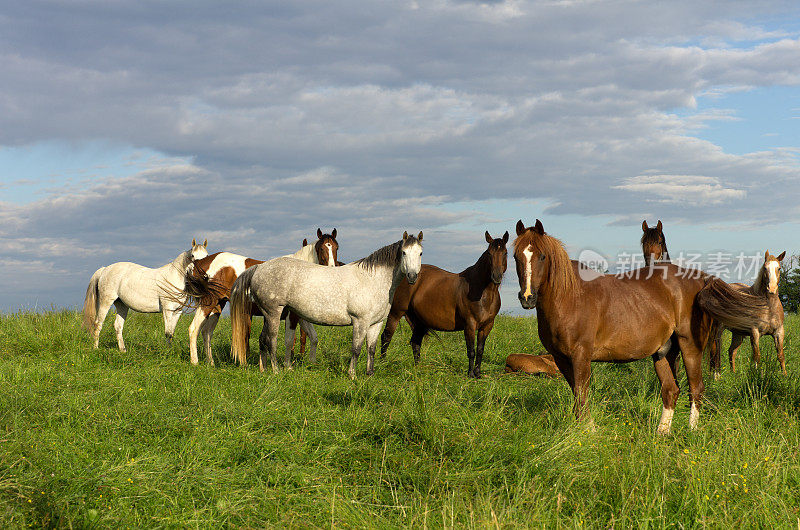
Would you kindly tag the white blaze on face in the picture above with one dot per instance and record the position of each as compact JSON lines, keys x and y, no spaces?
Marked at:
{"x":528,"y":253}
{"x":772,"y":273}
{"x":331,"y":261}
{"x":412,"y":258}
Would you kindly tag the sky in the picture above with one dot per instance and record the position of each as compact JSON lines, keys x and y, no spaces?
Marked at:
{"x":129,"y":128}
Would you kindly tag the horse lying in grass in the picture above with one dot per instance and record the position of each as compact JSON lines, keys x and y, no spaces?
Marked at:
{"x":532,"y":364}
{"x":131,"y":286}
{"x":584,"y":318}
{"x":358,"y":294}
{"x":771,"y":319}
{"x":208,"y":285}
{"x":444,"y":301}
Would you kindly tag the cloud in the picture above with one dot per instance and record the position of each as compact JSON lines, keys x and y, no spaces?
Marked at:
{"x":695,"y":190}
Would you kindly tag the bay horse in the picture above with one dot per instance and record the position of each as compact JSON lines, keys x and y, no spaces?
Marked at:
{"x":532,"y":364}
{"x":771,"y":321}
{"x":130,"y":286}
{"x":621,"y":319}
{"x":358,"y":294}
{"x":654,"y":244}
{"x":209,"y":283}
{"x":444,"y":301}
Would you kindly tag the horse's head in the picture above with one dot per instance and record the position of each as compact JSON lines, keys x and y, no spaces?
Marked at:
{"x":654,"y":245}
{"x":531,"y":260}
{"x":771,"y":271}
{"x":498,"y":256}
{"x":411,"y":256}
{"x":197,"y":252}
{"x":326,"y":248}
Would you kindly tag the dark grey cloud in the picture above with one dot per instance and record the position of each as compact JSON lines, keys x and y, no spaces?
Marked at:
{"x":372,"y":118}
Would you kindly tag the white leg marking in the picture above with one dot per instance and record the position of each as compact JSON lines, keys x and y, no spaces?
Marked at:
{"x":665,"y":423}
{"x":694,"y":416}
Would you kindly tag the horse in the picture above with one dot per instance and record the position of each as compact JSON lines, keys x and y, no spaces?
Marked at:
{"x":358,"y":294}
{"x":131,"y":286}
{"x":654,"y":245}
{"x":443,"y":301}
{"x":771,"y":322}
{"x":607,"y":318}
{"x":532,"y":364}
{"x":209,"y":283}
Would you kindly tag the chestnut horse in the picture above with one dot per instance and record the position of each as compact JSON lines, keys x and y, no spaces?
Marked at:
{"x":620,"y":319}
{"x":654,"y":245}
{"x":771,"y":322}
{"x":444,"y":301}
{"x":209,"y":284}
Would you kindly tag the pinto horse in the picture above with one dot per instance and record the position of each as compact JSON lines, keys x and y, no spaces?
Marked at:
{"x":621,"y":319}
{"x":771,"y":321}
{"x":358,"y":294}
{"x":209,"y":284}
{"x":444,"y":301}
{"x":131,"y":286}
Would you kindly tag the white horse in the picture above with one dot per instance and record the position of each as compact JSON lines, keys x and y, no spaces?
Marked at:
{"x":131,"y":286}
{"x":209,"y":283}
{"x":358,"y":294}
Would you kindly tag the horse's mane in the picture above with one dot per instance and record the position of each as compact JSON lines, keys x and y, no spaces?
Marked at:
{"x":561,"y":279}
{"x":655,"y":237}
{"x":387,"y":256}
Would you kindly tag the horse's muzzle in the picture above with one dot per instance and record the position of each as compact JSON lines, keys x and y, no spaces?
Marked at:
{"x":497,"y":278}
{"x":527,"y":302}
{"x":411,"y":277}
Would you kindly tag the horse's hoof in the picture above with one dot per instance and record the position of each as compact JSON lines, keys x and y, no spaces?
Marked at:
{"x":663,"y":430}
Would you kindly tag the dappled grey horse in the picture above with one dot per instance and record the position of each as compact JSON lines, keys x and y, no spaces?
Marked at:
{"x":358,"y":294}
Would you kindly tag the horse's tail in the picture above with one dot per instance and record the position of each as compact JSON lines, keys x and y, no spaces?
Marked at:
{"x":199,"y":290}
{"x":241,"y":304}
{"x":91,"y":300}
{"x":733,"y":308}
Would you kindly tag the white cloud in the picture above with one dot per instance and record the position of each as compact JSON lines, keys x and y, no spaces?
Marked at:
{"x":692,"y":189}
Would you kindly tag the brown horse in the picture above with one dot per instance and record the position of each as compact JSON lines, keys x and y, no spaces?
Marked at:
{"x":771,"y":322}
{"x":654,"y":245}
{"x":532,"y":364}
{"x":444,"y":301}
{"x":620,"y":319}
{"x":209,"y":283}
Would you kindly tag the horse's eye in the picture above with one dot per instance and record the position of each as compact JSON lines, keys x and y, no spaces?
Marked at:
{"x":541,"y":257}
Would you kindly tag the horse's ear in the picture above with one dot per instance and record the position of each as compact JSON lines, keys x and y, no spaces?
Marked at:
{"x":520,"y":228}
{"x":419,"y":237}
{"x":319,"y":233}
{"x":194,"y":243}
{"x":488,"y":237}
{"x":405,"y":235}
{"x":334,"y":233}
{"x":659,"y":225}
{"x":205,"y":242}
{"x":538,"y":228}
{"x":644,"y":226}
{"x":505,"y":237}
{"x":781,"y":256}
{"x":305,"y":242}
{"x":766,"y":255}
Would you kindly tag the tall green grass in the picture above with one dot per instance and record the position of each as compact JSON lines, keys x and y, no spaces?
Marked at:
{"x":98,"y":438}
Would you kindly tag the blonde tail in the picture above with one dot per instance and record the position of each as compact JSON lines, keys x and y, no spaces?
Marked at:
{"x":90,"y":302}
{"x":241,"y":305}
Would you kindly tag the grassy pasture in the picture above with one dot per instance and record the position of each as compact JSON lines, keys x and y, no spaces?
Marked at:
{"x":96,"y":438}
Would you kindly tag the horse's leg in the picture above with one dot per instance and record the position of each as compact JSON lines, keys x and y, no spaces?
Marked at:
{"x":736,"y":341}
{"x":194,"y":329}
{"x":469,"y":338}
{"x":755,"y":336}
{"x":582,"y":372}
{"x":311,"y":331}
{"x":669,"y":392}
{"x":418,"y":333}
{"x":103,"y":307}
{"x":208,"y":331}
{"x":778,"y":338}
{"x":303,"y":337}
{"x":483,"y":333}
{"x":268,"y":340}
{"x":715,"y":357}
{"x":388,"y":332}
{"x":359,"y":334}
{"x":372,"y":343}
{"x":119,"y":322}
{"x":288,"y":339}
{"x":568,"y":369}
{"x":692,"y":362}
